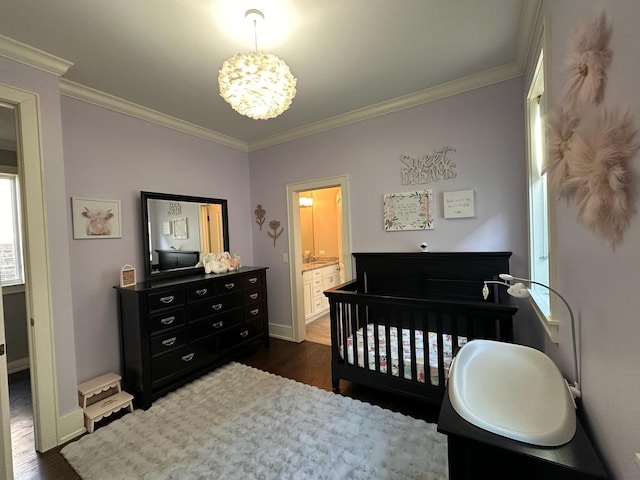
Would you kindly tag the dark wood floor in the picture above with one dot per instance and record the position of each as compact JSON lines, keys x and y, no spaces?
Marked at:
{"x":306,"y":362}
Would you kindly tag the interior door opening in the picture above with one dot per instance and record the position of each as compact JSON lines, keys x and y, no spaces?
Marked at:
{"x":14,"y":294}
{"x":320,"y":250}
{"x":37,"y":287}
{"x":322,"y":256}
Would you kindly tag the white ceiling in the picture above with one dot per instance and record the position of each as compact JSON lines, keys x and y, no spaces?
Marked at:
{"x":353,"y":58}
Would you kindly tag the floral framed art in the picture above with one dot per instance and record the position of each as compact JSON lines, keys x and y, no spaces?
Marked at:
{"x":93,"y":218}
{"x":408,"y":211}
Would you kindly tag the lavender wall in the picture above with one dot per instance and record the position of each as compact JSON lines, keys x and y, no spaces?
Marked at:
{"x":485,"y":126}
{"x":109,"y":155}
{"x":601,"y":282}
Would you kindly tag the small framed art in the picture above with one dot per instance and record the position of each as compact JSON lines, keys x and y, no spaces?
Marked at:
{"x":408,"y":211}
{"x":458,"y":204}
{"x":93,"y":218}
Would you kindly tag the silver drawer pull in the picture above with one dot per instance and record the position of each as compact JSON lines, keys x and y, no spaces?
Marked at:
{"x":168,"y":320}
{"x":253,"y":296}
{"x":229,"y":285}
{"x":254,"y":311}
{"x":202,"y":291}
{"x":168,"y":299}
{"x":244,"y":334}
{"x":217,"y":306}
{"x":218,"y":325}
{"x":253,"y":280}
{"x":189,"y":357}
{"x":169,"y":341}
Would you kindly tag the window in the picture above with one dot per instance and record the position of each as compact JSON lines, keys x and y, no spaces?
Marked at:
{"x":11,"y":266}
{"x":539,"y":221}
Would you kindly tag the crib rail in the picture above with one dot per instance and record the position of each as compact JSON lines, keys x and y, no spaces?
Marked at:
{"x":359,"y":320}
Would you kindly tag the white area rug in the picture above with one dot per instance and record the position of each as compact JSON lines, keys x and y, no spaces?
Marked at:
{"x":242,"y":423}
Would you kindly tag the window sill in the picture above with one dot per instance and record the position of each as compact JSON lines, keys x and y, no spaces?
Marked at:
{"x":11,"y":289}
{"x":540,"y":303}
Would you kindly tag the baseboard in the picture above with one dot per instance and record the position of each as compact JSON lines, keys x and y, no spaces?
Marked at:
{"x":70,"y":426}
{"x":281,"y":332}
{"x":18,"y":365}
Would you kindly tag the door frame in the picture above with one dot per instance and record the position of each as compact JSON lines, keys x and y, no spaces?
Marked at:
{"x":6,"y":457}
{"x":42,"y":359}
{"x":295,"y":243}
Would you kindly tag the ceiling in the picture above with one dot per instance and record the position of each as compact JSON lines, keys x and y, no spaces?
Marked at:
{"x":353,"y":59}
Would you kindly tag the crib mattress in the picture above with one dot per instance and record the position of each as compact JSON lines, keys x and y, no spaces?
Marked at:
{"x":432,"y":354}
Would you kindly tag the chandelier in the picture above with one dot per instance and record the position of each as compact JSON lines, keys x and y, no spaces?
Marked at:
{"x":258,"y":85}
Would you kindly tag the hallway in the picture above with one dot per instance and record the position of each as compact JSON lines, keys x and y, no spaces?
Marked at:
{"x":27,"y":463}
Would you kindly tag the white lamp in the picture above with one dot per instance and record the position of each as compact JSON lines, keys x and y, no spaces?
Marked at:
{"x":519,"y":290}
{"x":258,"y":85}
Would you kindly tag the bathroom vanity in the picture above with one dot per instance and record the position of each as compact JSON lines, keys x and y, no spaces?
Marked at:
{"x":475,"y":453}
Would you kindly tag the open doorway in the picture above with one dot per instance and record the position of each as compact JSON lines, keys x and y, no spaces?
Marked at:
{"x":12,"y":276}
{"x":322,"y":257}
{"x":37,"y":287}
{"x":320,"y":250}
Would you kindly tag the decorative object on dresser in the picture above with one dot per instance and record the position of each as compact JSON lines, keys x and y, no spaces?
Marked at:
{"x":397,"y":326}
{"x":127,"y":276}
{"x":174,"y":330}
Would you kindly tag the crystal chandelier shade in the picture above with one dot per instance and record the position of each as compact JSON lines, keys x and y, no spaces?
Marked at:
{"x":258,"y":85}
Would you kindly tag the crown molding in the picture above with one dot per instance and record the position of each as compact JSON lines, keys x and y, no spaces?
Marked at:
{"x":525,"y":44}
{"x":33,"y":57}
{"x":111,"y":102}
{"x":471,"y":82}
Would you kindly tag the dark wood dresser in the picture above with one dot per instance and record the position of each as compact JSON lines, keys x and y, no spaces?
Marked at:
{"x":172,"y":331}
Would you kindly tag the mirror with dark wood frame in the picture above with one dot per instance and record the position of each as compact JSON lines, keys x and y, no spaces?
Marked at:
{"x":176,"y":229}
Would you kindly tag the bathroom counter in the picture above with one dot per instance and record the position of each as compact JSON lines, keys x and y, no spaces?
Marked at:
{"x":477,"y":453}
{"x":319,"y":264}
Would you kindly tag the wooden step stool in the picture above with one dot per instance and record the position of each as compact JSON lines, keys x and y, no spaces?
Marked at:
{"x":99,"y":408}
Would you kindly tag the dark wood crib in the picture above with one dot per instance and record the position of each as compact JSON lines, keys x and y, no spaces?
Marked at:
{"x":397,"y":326}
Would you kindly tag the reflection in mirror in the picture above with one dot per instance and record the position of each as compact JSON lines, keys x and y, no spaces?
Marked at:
{"x":177,"y":229}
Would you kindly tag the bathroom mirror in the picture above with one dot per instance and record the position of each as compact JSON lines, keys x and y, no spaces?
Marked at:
{"x":176,"y":229}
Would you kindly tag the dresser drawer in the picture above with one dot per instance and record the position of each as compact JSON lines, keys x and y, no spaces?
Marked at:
{"x":255,"y":310}
{"x":253,"y":280}
{"x":215,"y":324}
{"x":201,"y":291}
{"x":165,"y":320}
{"x":253,"y":295}
{"x":229,"y":285}
{"x":214,"y":306}
{"x":168,"y":341}
{"x":180,"y":361}
{"x":242,"y":333}
{"x":166,"y":299}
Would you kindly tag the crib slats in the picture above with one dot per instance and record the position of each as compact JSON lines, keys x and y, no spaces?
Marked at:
{"x":364,"y":328}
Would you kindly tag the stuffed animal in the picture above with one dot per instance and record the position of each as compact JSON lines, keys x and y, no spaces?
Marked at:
{"x":218,"y":262}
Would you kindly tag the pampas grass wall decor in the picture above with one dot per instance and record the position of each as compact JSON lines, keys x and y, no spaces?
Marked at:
{"x":590,"y":146}
{"x":599,"y":176}
{"x":587,"y":60}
